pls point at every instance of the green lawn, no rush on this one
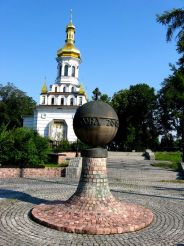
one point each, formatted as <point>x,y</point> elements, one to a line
<point>168,156</point>
<point>173,159</point>
<point>64,164</point>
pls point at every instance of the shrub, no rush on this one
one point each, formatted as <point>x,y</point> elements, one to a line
<point>65,145</point>
<point>42,146</point>
<point>26,148</point>
<point>6,145</point>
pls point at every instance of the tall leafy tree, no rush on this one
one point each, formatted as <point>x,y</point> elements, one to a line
<point>171,104</point>
<point>14,104</point>
<point>136,108</point>
<point>171,95</point>
<point>120,103</point>
<point>105,98</point>
<point>174,21</point>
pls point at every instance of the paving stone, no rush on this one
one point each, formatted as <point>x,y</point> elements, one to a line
<point>132,181</point>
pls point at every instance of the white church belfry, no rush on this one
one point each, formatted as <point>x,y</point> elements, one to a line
<point>53,117</point>
<point>66,89</point>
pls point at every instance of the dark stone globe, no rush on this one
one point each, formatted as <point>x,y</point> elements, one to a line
<point>95,123</point>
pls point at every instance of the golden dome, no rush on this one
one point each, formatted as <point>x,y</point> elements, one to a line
<point>81,90</point>
<point>69,48</point>
<point>44,88</point>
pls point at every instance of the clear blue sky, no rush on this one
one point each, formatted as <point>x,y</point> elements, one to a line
<point>120,42</point>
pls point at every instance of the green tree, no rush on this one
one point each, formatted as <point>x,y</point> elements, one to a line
<point>120,103</point>
<point>105,98</point>
<point>171,96</point>
<point>174,20</point>
<point>171,104</point>
<point>167,142</point>
<point>14,104</point>
<point>136,111</point>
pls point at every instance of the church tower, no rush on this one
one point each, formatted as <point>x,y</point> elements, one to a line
<point>53,117</point>
<point>66,90</point>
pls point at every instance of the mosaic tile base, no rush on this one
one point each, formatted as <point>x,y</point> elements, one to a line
<point>110,220</point>
<point>93,209</point>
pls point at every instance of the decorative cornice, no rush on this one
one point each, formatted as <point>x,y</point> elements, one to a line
<point>62,93</point>
<point>57,106</point>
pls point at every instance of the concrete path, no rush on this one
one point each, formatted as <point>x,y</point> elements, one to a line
<point>133,181</point>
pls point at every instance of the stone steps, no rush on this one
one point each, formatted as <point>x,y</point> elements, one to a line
<point>146,155</point>
<point>126,155</point>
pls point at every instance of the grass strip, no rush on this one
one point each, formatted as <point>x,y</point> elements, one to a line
<point>172,160</point>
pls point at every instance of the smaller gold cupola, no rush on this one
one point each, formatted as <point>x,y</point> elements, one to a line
<point>70,32</point>
<point>69,48</point>
<point>44,88</point>
<point>81,90</point>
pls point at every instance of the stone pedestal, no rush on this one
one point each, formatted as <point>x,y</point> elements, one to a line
<point>73,171</point>
<point>92,209</point>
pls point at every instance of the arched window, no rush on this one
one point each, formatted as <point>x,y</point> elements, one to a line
<point>52,101</point>
<point>43,100</point>
<point>62,101</point>
<point>64,89</point>
<point>55,89</point>
<point>73,71</point>
<point>71,101</point>
<point>60,71</point>
<point>80,101</point>
<point>72,90</point>
<point>66,70</point>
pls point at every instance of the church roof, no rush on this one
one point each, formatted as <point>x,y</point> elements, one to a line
<point>69,49</point>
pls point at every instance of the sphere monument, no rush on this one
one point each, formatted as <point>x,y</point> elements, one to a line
<point>92,209</point>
